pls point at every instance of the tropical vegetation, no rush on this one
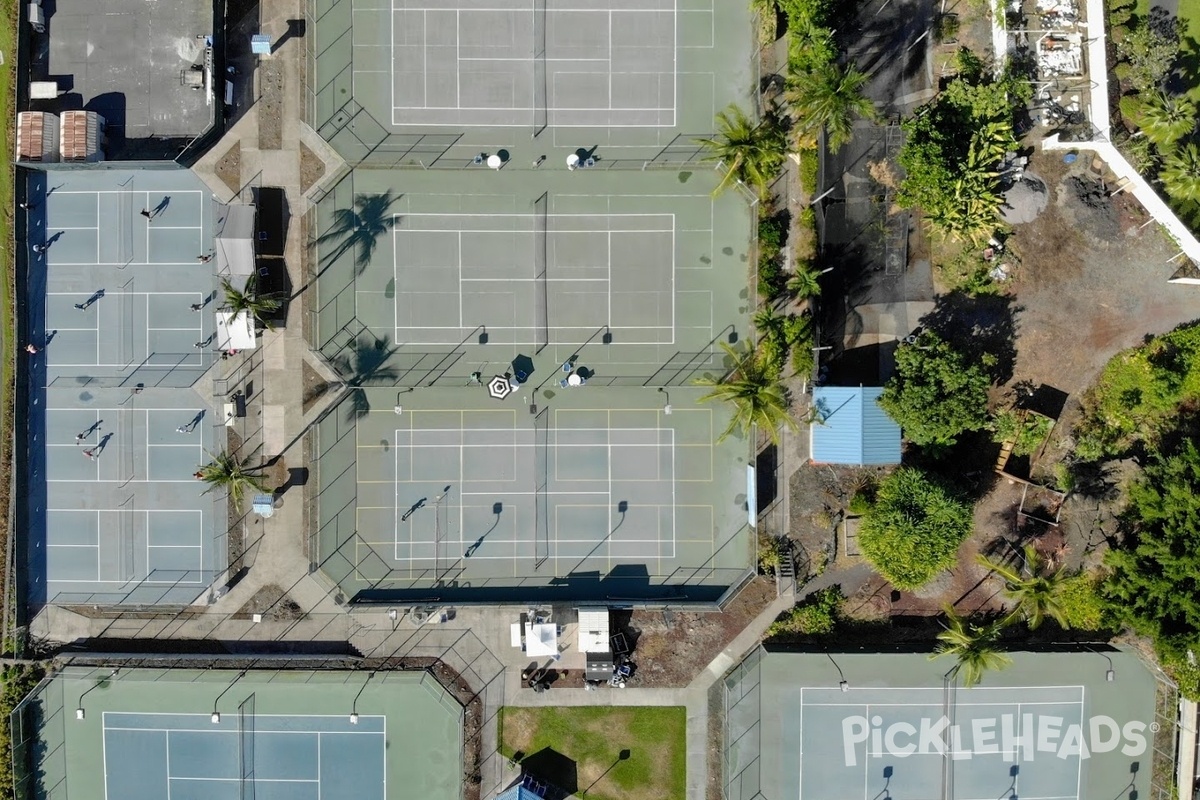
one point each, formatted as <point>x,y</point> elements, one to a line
<point>830,98</point>
<point>914,528</point>
<point>1035,588</point>
<point>260,305</point>
<point>952,149</point>
<point>1140,395</point>
<point>227,472</point>
<point>757,397</point>
<point>1154,581</point>
<point>937,392</point>
<point>973,646</point>
<point>750,152</point>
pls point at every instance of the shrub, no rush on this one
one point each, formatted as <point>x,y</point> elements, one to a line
<point>1131,109</point>
<point>772,234</point>
<point>1082,605</point>
<point>1027,431</point>
<point>914,529</point>
<point>860,503</point>
<point>810,163</point>
<point>1139,394</point>
<point>817,615</point>
<point>18,681</point>
<point>770,552</point>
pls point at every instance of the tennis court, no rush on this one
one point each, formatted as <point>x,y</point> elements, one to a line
<point>503,62</point>
<point>186,756</point>
<point>419,82</point>
<point>526,414</point>
<point>827,775</point>
<point>116,428</point>
<point>536,278</point>
<point>195,734</point>
<point>1052,726</point>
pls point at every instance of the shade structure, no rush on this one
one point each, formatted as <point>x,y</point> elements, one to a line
<point>499,387</point>
<point>593,630</point>
<point>234,244</point>
<point>235,331</point>
<point>541,640</point>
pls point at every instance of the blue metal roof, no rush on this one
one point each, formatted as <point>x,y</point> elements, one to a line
<point>518,792</point>
<point>851,428</point>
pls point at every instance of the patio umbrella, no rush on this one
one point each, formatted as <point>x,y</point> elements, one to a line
<point>499,388</point>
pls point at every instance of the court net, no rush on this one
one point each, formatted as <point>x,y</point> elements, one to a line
<point>541,477</point>
<point>246,747</point>
<point>541,216</point>
<point>540,101</point>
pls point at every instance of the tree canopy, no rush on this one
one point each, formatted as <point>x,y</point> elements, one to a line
<point>914,528</point>
<point>1139,394</point>
<point>1155,580</point>
<point>936,393</point>
<point>952,147</point>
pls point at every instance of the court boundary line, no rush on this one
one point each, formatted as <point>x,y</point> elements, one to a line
<point>673,10</point>
<point>949,753</point>
<point>530,330</point>
<point>148,571</point>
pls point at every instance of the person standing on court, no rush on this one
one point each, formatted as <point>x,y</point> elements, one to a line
<point>145,212</point>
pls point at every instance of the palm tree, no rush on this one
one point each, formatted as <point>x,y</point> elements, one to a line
<point>360,228</point>
<point>1167,119</point>
<point>758,399</point>
<point>1037,596</point>
<point>227,472</point>
<point>259,305</point>
<point>830,99</point>
<point>973,646</point>
<point>365,365</point>
<point>750,152</point>
<point>805,283</point>
<point>1181,173</point>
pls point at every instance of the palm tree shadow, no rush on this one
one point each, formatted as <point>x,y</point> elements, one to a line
<point>365,365</point>
<point>360,228</point>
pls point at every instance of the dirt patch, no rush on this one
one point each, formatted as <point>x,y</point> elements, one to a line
<point>314,387</point>
<point>273,603</point>
<point>818,497</point>
<point>311,168</point>
<point>229,168</point>
<point>671,648</point>
<point>270,105</point>
<point>1084,292</point>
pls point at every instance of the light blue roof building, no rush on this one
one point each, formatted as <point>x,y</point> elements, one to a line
<point>851,428</point>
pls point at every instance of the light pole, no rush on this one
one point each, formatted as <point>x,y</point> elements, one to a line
<point>216,715</point>
<point>843,684</point>
<point>79,712</point>
<point>354,704</point>
<point>1110,674</point>
<point>667,408</point>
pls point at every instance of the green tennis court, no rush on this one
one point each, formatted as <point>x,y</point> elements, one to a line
<point>195,734</point>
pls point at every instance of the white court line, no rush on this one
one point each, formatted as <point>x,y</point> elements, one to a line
<point>167,757</point>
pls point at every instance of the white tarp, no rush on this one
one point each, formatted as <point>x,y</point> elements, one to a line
<point>593,630</point>
<point>235,244</point>
<point>541,640</point>
<point>235,331</point>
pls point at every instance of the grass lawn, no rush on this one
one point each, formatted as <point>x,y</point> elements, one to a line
<point>604,753</point>
<point>8,45</point>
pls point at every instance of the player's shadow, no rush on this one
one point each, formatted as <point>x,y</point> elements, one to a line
<point>497,509</point>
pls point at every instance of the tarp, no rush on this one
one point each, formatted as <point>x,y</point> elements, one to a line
<point>235,331</point>
<point>593,630</point>
<point>235,244</point>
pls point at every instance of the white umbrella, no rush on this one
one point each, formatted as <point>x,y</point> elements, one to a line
<point>499,387</point>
